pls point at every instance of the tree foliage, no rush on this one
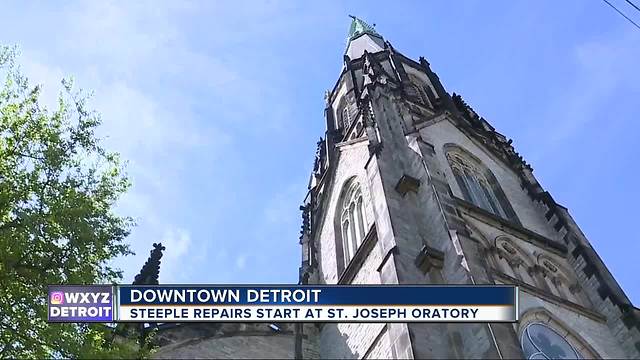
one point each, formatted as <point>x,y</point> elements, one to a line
<point>58,187</point>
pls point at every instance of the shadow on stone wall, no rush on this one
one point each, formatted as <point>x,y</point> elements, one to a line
<point>335,345</point>
<point>224,341</point>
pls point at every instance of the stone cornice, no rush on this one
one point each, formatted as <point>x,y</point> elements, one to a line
<point>549,297</point>
<point>519,231</point>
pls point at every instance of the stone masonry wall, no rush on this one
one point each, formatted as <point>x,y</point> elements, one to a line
<point>536,216</point>
<point>225,341</point>
<point>351,163</point>
<point>529,213</point>
<point>353,340</point>
<point>591,332</point>
<point>416,219</point>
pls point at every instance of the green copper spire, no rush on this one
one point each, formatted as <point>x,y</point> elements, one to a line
<point>359,27</point>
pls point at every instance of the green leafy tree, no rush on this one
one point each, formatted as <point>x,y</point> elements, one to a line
<point>58,187</point>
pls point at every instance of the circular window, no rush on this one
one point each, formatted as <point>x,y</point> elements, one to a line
<point>541,342</point>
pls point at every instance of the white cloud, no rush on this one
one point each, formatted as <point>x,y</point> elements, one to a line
<point>154,82</point>
<point>122,52</point>
<point>602,71</point>
<point>49,77</point>
<point>178,240</point>
<point>283,208</point>
<point>174,266</point>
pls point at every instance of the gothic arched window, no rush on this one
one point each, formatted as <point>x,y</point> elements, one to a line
<point>539,341</point>
<point>352,220</point>
<point>418,89</point>
<point>478,184</point>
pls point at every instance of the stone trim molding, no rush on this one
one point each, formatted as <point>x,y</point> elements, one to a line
<point>359,257</point>
<point>382,332</point>
<point>526,234</point>
<point>549,297</point>
<point>387,256</point>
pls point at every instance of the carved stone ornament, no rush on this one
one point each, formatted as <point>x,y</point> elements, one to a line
<point>509,248</point>
<point>327,96</point>
<point>537,269</point>
<point>550,266</point>
<point>516,262</point>
<point>429,258</point>
<point>575,288</point>
<point>407,183</point>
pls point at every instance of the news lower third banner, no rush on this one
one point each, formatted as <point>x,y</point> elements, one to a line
<point>285,303</point>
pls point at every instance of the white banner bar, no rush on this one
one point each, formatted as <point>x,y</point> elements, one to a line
<point>316,313</point>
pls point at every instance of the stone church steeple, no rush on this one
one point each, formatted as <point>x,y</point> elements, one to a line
<point>361,37</point>
<point>411,186</point>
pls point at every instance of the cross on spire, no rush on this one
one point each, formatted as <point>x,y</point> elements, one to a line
<point>359,27</point>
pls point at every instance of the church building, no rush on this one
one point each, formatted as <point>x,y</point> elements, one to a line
<point>411,186</point>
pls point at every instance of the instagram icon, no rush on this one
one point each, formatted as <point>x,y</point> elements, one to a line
<point>57,297</point>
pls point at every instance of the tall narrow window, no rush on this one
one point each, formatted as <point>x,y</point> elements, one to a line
<point>346,236</point>
<point>346,117</point>
<point>353,221</point>
<point>418,89</point>
<point>360,219</point>
<point>478,185</point>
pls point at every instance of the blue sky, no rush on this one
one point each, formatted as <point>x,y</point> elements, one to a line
<point>218,107</point>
